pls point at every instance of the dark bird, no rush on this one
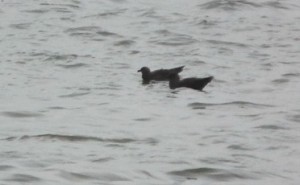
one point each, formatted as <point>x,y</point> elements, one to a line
<point>160,74</point>
<point>194,83</point>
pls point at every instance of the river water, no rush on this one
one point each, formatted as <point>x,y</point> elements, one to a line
<point>74,110</point>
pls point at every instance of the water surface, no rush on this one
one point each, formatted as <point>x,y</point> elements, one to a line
<point>74,110</point>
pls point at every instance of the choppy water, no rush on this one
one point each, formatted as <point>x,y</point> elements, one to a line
<point>74,111</point>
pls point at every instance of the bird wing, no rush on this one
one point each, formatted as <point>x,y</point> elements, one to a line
<point>176,69</point>
<point>160,74</point>
<point>195,83</point>
<point>163,74</point>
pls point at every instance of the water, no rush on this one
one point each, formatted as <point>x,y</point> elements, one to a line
<point>74,110</point>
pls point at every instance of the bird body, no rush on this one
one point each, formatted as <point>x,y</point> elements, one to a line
<point>193,83</point>
<point>160,74</point>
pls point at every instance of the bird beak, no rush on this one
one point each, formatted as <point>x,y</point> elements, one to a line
<point>139,71</point>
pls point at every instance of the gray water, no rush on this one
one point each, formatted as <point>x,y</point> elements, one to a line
<point>73,109</point>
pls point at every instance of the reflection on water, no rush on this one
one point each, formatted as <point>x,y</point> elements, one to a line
<point>74,109</point>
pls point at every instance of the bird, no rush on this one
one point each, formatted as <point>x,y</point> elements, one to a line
<point>160,74</point>
<point>193,83</point>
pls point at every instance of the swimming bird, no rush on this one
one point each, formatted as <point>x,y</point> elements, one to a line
<point>160,74</point>
<point>194,83</point>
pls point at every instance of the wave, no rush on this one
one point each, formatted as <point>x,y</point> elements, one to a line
<point>37,11</point>
<point>294,118</point>
<point>78,138</point>
<point>242,104</point>
<point>74,176</point>
<point>101,160</point>
<point>23,178</point>
<point>22,114</point>
<point>168,38</point>
<point>55,57</point>
<point>240,147</point>
<point>73,95</point>
<point>52,7</point>
<point>74,6</point>
<point>229,5</point>
<point>5,167</point>
<point>271,127</point>
<point>291,75</point>
<point>218,42</point>
<point>71,66</point>
<point>21,26</point>
<point>124,43</point>
<point>92,32</point>
<point>107,14</point>
<point>72,138</point>
<point>275,4</point>
<point>212,173</point>
<point>280,81</point>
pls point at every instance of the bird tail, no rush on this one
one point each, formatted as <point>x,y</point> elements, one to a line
<point>177,69</point>
<point>210,78</point>
<point>205,81</point>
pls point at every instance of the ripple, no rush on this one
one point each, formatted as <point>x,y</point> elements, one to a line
<point>73,95</point>
<point>90,32</point>
<point>21,26</point>
<point>242,104</point>
<point>150,141</point>
<point>227,43</point>
<point>72,66</point>
<point>271,127</point>
<point>119,65</point>
<point>196,62</point>
<point>212,173</point>
<point>280,81</point>
<point>71,138</point>
<point>5,167</point>
<point>254,116</point>
<point>143,119</point>
<point>74,6</point>
<point>291,75</point>
<point>134,52</point>
<point>295,118</point>
<point>110,177</point>
<point>78,138</point>
<point>177,41</point>
<point>56,7</point>
<point>55,57</point>
<point>168,38</point>
<point>23,178</point>
<point>148,174</point>
<point>277,148</point>
<point>218,161</point>
<point>244,156</point>
<point>10,154</point>
<point>124,43</point>
<point>37,11</point>
<point>57,108</point>
<point>76,176</point>
<point>107,33</point>
<point>228,4</point>
<point>23,114</point>
<point>34,164</point>
<point>107,14</point>
<point>275,4</point>
<point>240,147</point>
<point>102,160</point>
